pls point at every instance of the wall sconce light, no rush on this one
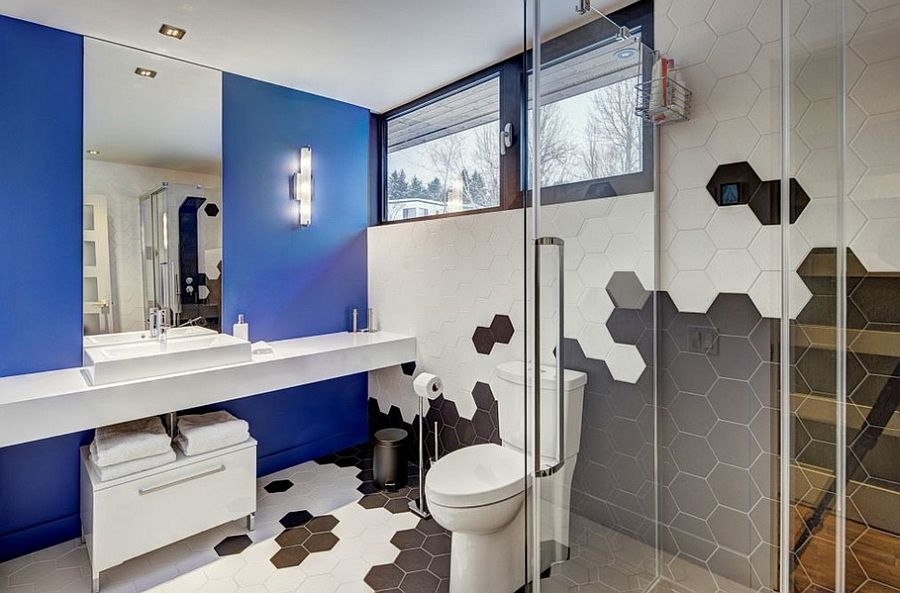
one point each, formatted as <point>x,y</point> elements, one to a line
<point>302,186</point>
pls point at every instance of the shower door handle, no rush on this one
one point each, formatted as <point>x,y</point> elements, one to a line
<point>539,471</point>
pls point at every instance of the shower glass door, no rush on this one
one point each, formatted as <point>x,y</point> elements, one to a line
<point>591,280</point>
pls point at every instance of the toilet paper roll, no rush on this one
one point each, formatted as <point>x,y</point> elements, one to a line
<point>428,385</point>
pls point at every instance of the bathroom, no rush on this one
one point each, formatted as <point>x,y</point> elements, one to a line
<point>317,245</point>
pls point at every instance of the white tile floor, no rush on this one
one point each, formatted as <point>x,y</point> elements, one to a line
<point>602,560</point>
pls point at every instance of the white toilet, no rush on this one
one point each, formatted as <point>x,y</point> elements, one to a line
<point>478,492</point>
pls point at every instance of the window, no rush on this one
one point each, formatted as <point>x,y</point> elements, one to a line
<point>443,156</point>
<point>589,129</point>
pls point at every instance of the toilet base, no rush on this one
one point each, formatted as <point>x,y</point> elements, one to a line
<point>490,562</point>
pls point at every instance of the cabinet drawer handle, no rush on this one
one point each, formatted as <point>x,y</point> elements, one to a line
<point>159,487</point>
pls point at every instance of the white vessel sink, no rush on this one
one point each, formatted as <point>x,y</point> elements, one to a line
<point>144,335</point>
<point>139,360</point>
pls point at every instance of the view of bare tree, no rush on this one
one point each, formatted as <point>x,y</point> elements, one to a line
<point>612,133</point>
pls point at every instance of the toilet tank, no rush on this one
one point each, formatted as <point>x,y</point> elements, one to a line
<point>512,396</point>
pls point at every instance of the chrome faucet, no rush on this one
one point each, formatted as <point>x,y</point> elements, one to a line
<point>159,325</point>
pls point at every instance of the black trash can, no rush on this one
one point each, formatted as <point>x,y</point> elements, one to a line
<point>390,459</point>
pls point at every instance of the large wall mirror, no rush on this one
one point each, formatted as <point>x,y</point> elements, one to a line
<point>152,194</point>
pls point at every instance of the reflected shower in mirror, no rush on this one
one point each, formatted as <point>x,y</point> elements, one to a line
<point>152,195</point>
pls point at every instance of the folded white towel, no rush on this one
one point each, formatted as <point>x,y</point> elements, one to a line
<point>129,441</point>
<point>200,433</point>
<point>119,470</point>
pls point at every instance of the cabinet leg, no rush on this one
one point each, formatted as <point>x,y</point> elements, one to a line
<point>95,582</point>
<point>251,521</point>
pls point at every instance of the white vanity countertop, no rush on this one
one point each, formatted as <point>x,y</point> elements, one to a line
<point>42,405</point>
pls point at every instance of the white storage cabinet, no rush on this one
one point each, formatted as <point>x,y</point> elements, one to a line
<point>124,518</point>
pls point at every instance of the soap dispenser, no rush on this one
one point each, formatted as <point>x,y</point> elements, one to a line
<point>241,329</point>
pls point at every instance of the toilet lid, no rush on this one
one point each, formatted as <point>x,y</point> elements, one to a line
<point>476,476</point>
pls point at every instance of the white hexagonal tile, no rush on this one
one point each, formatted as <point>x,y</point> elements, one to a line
<point>733,53</point>
<point>819,77</point>
<point>686,12</point>
<point>766,294</point>
<point>595,236</point>
<point>692,209</point>
<point>733,96</point>
<point>876,90</point>
<point>691,250</point>
<point>733,227</point>
<point>766,22</point>
<point>733,140</point>
<point>569,220</point>
<point>624,252</point>
<point>766,112</point>
<point>818,222</point>
<point>819,124</point>
<point>732,270</point>
<point>595,270</point>
<point>727,16</point>
<point>876,38</point>
<point>692,291</point>
<point>692,168</point>
<point>692,44</point>
<point>878,141</point>
<point>766,67</point>
<point>625,363</point>
<point>595,341</point>
<point>694,132</point>
<point>799,295</point>
<point>595,305</point>
<point>701,80</point>
<point>878,245</point>
<point>766,248</point>
<point>766,157</point>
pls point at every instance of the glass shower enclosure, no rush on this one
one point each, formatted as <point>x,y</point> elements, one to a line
<point>591,261</point>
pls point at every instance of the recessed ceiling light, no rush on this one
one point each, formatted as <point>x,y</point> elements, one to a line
<point>170,31</point>
<point>93,152</point>
<point>145,72</point>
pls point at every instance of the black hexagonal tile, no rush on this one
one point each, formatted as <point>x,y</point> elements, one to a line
<point>232,545</point>
<point>626,291</point>
<point>483,340</point>
<point>288,557</point>
<point>320,542</point>
<point>278,486</point>
<point>625,326</point>
<point>384,576</point>
<point>408,368</point>
<point>295,519</point>
<point>483,395</point>
<point>502,329</point>
<point>692,372</point>
<point>415,559</point>
<point>766,202</point>
<point>736,358</point>
<point>733,184</point>
<point>734,314</point>
<point>322,524</point>
<point>211,209</point>
<point>408,539</point>
<point>420,581</point>
<point>293,537</point>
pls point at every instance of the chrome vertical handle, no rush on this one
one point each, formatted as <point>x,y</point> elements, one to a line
<point>540,471</point>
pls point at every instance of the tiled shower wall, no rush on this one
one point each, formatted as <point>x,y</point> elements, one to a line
<point>719,267</point>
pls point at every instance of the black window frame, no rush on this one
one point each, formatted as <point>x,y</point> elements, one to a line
<point>513,76</point>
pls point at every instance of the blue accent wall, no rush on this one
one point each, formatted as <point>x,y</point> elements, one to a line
<point>290,281</point>
<point>40,169</point>
<point>40,266</point>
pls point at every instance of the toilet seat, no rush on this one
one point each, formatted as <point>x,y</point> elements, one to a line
<point>476,476</point>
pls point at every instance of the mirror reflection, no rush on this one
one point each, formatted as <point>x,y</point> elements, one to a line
<point>152,196</point>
